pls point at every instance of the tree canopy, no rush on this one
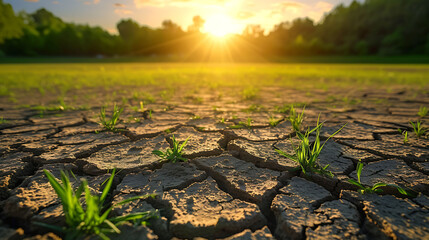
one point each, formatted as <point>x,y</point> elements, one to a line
<point>374,27</point>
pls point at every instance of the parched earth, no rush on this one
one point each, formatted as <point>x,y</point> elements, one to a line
<point>235,185</point>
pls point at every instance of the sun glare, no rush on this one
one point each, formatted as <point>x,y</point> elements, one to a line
<point>220,25</point>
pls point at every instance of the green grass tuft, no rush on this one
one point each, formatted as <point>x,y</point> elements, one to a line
<point>253,108</point>
<point>418,129</point>
<point>405,133</point>
<point>376,188</point>
<point>296,119</point>
<point>273,121</point>
<point>307,154</point>
<point>249,93</point>
<point>173,154</point>
<point>110,124</point>
<point>423,112</point>
<point>89,215</point>
<point>2,120</point>
<point>241,124</point>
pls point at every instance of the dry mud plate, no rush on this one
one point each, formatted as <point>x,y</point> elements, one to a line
<point>235,185</point>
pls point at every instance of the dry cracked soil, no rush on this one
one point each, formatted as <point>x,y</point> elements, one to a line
<point>235,185</point>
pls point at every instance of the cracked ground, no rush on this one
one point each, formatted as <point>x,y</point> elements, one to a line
<point>235,185</point>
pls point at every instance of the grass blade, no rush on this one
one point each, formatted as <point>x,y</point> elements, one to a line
<point>359,169</point>
<point>107,187</point>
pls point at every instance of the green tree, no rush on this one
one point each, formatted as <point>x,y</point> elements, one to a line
<point>10,25</point>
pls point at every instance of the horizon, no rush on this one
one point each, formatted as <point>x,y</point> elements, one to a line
<point>236,14</point>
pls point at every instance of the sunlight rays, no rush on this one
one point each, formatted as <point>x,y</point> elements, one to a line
<point>221,25</point>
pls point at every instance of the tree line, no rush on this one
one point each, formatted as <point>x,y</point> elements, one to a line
<point>374,27</point>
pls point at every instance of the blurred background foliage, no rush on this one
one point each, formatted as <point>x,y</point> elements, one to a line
<point>374,27</point>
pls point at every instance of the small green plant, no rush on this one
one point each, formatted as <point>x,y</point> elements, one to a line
<point>253,108</point>
<point>307,154</point>
<point>41,114</point>
<point>273,121</point>
<point>124,101</point>
<point>195,117</point>
<point>89,215</point>
<point>173,154</point>
<point>2,120</point>
<point>418,129</point>
<point>133,119</point>
<point>193,99</point>
<point>135,95</point>
<point>296,119</point>
<point>285,108</point>
<point>222,120</point>
<point>351,101</point>
<point>166,95</point>
<point>147,97</point>
<point>62,106</point>
<point>423,111</point>
<point>110,124</point>
<point>141,106</point>
<point>247,124</point>
<point>376,188</point>
<point>241,124</point>
<point>405,133</point>
<point>249,93</point>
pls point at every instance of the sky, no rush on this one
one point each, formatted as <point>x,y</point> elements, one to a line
<point>235,14</point>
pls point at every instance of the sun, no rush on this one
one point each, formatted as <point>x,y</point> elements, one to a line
<point>220,25</point>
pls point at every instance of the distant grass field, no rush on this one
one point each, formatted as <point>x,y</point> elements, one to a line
<point>53,86</point>
<point>56,80</point>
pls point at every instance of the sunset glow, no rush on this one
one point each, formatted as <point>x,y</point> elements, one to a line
<point>220,25</point>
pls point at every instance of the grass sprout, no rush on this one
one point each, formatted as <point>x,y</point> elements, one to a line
<point>376,188</point>
<point>195,117</point>
<point>405,133</point>
<point>418,129</point>
<point>307,154</point>
<point>222,120</point>
<point>285,108</point>
<point>110,124</point>
<point>273,121</point>
<point>249,93</point>
<point>253,108</point>
<point>173,154</point>
<point>423,112</point>
<point>141,106</point>
<point>296,119</point>
<point>241,124</point>
<point>89,215</point>
<point>2,120</point>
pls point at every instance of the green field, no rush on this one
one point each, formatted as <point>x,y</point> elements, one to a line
<point>53,81</point>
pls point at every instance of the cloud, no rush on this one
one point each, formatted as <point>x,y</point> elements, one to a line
<point>244,15</point>
<point>32,0</point>
<point>122,12</point>
<point>119,5</point>
<point>55,2</point>
<point>96,1</point>
<point>163,3</point>
<point>290,4</point>
<point>324,6</point>
<point>290,10</point>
